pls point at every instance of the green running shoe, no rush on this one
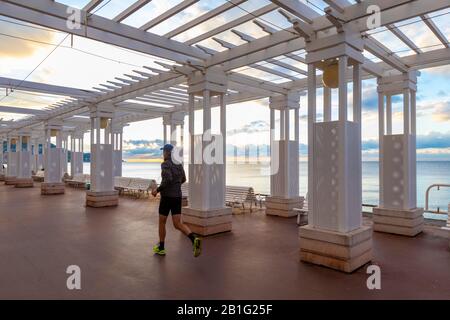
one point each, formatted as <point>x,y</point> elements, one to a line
<point>158,251</point>
<point>197,246</point>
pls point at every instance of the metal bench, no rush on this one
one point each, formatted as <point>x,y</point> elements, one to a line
<point>121,183</point>
<point>138,187</point>
<point>79,180</point>
<point>237,197</point>
<point>39,176</point>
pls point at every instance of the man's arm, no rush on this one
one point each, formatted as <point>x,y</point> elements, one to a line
<point>166,174</point>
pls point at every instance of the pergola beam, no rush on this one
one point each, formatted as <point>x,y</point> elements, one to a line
<point>44,88</point>
<point>298,9</point>
<point>205,17</point>
<point>18,110</point>
<point>55,15</point>
<point>130,10</point>
<point>434,28</point>
<point>168,14</point>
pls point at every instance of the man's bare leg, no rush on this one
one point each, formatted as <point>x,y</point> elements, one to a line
<point>196,241</point>
<point>176,219</point>
<point>162,228</point>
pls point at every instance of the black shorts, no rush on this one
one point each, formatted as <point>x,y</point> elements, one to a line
<point>170,205</point>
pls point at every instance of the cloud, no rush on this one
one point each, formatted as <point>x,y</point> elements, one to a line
<point>442,93</point>
<point>441,111</point>
<point>252,127</point>
<point>15,47</point>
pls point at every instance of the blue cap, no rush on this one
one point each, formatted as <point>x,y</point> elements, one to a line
<point>168,147</point>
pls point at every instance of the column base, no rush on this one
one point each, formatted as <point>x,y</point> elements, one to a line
<point>340,251</point>
<point>402,222</point>
<point>50,188</point>
<point>2,177</point>
<point>10,180</point>
<point>206,223</point>
<point>24,183</point>
<point>283,207</point>
<point>102,199</point>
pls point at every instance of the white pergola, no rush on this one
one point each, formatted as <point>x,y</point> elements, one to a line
<point>210,70</point>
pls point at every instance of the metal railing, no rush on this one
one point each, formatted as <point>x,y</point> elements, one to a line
<point>427,195</point>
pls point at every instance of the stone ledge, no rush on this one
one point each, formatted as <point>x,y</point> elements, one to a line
<point>49,188</point>
<point>351,238</point>
<point>402,222</point>
<point>206,213</point>
<point>208,222</point>
<point>102,199</point>
<point>24,183</point>
<point>210,230</point>
<point>283,207</point>
<point>399,230</point>
<point>347,266</point>
<point>2,177</point>
<point>10,180</point>
<point>281,213</point>
<point>340,251</point>
<point>275,199</point>
<point>397,213</point>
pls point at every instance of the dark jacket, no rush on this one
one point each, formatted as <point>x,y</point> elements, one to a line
<point>173,176</point>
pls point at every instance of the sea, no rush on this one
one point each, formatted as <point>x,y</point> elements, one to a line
<point>257,175</point>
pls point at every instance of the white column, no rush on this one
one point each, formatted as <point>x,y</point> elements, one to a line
<point>24,160</point>
<point>388,114</point>
<point>334,161</point>
<point>312,117</point>
<point>12,169</point>
<point>327,104</point>
<point>53,159</point>
<point>397,212</point>
<point>117,150</point>
<point>164,134</point>
<point>102,193</point>
<point>206,213</point>
<point>284,181</point>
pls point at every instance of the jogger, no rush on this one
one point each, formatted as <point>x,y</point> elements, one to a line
<point>173,176</point>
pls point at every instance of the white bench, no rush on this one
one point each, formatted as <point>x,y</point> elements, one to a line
<point>121,183</point>
<point>237,197</point>
<point>139,186</point>
<point>302,216</point>
<point>39,176</point>
<point>79,180</point>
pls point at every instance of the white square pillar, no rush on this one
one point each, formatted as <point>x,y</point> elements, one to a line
<point>12,160</point>
<point>24,179</point>
<point>397,211</point>
<point>53,171</point>
<point>76,160</point>
<point>335,236</point>
<point>284,182</point>
<point>207,213</point>
<point>102,193</point>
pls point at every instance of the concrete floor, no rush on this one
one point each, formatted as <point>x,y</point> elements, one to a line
<point>40,236</point>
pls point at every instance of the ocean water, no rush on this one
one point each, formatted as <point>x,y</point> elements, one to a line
<point>258,176</point>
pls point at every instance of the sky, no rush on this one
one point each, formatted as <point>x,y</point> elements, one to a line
<point>83,63</point>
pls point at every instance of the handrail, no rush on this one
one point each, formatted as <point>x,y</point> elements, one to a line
<point>427,194</point>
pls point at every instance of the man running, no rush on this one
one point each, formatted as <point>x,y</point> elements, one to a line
<point>173,176</point>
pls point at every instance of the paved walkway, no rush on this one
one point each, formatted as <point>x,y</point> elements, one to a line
<point>40,236</point>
